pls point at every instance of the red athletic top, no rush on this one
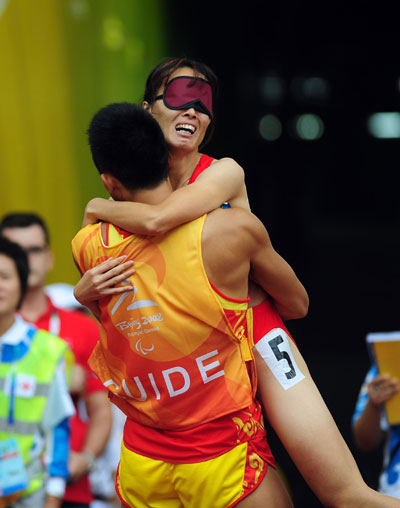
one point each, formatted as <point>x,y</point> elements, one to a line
<point>80,331</point>
<point>203,164</point>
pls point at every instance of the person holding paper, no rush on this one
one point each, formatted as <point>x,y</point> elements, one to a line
<point>370,427</point>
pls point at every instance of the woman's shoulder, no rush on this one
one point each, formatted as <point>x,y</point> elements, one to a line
<point>226,163</point>
<point>228,175</point>
<point>225,160</point>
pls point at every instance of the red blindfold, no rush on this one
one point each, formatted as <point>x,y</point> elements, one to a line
<point>184,92</point>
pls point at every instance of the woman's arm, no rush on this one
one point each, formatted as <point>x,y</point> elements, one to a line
<point>276,276</point>
<point>222,181</point>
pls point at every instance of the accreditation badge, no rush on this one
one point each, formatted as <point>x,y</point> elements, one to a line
<point>13,477</point>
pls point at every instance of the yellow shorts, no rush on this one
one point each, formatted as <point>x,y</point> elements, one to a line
<point>216,483</point>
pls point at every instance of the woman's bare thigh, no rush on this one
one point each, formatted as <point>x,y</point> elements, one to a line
<point>271,493</point>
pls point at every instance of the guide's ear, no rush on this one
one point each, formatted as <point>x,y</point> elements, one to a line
<point>110,183</point>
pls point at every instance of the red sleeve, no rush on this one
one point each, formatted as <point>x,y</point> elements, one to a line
<point>92,335</point>
<point>93,384</point>
<point>82,333</point>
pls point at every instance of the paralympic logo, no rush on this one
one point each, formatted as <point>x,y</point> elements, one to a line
<point>138,304</point>
<point>142,349</point>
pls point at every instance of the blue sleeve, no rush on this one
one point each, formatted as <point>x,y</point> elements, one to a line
<point>363,396</point>
<point>58,463</point>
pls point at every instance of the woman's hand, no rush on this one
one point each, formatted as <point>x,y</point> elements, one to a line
<point>101,280</point>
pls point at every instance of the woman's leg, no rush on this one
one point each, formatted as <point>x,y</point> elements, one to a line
<point>271,493</point>
<point>295,409</point>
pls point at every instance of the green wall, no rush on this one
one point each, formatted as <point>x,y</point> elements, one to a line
<point>61,61</point>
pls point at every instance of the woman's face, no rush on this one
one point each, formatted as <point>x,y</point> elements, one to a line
<point>10,288</point>
<point>184,129</point>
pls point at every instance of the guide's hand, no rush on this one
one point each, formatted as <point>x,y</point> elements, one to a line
<point>381,389</point>
<point>101,280</point>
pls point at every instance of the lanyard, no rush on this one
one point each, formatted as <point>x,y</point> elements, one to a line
<point>11,407</point>
<point>13,376</point>
<point>54,323</point>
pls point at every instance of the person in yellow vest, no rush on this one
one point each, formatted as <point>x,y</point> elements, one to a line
<point>35,405</point>
<point>174,349</point>
<point>91,423</point>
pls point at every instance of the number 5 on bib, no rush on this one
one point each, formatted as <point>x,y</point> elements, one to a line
<point>274,347</point>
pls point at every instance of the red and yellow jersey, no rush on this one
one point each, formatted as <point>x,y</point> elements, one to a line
<point>211,439</point>
<point>167,353</point>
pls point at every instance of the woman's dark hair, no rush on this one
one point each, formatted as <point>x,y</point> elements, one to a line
<point>17,254</point>
<point>162,72</point>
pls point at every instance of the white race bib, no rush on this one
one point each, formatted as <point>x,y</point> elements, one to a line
<point>274,347</point>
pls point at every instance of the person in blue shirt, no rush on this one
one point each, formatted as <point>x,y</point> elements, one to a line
<point>371,428</point>
<point>35,405</point>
